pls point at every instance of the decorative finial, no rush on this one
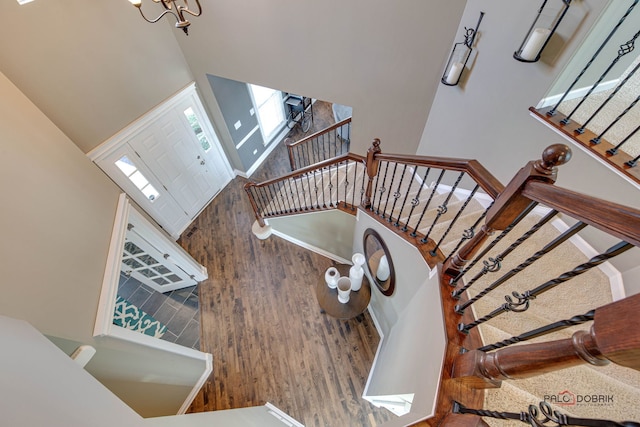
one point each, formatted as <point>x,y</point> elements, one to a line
<point>553,156</point>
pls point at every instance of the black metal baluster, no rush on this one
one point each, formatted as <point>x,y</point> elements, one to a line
<point>397,195</point>
<point>315,188</point>
<point>276,200</point>
<point>442,209</point>
<point>406,196</point>
<point>633,163</point>
<point>382,188</point>
<point>393,178</point>
<point>543,330</point>
<point>458,408</point>
<point>597,139</point>
<point>291,193</point>
<point>624,49</point>
<point>346,183</point>
<point>310,204</point>
<point>469,232</point>
<point>523,300</point>
<point>258,197</point>
<point>526,263</point>
<point>355,181</point>
<point>416,200</point>
<point>364,181</point>
<point>491,265</point>
<point>283,197</point>
<point>493,243</point>
<point>426,206</point>
<point>454,220</point>
<point>593,58</point>
<point>613,151</point>
<point>612,94</point>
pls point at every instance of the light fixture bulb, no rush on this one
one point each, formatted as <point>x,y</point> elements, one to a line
<point>136,3</point>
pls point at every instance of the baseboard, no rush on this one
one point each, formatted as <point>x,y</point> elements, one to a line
<point>376,323</point>
<point>285,418</point>
<point>577,93</point>
<point>311,248</point>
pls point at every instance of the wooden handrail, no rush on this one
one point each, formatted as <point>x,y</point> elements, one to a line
<point>290,143</point>
<point>615,219</point>
<point>298,173</point>
<point>485,179</point>
<point>610,339</point>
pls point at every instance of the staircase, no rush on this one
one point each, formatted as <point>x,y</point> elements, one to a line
<point>449,209</point>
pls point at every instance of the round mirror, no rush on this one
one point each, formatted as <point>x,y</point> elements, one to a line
<point>379,262</point>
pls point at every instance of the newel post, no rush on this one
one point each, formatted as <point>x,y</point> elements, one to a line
<point>289,143</point>
<point>372,170</point>
<point>511,203</point>
<point>247,187</point>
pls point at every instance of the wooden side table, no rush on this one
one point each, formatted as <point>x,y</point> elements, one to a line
<point>328,298</point>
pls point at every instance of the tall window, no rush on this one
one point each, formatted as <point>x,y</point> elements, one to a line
<point>270,110</point>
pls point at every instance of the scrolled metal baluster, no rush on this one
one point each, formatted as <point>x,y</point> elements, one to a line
<point>397,195</point>
<point>597,139</point>
<point>442,209</point>
<point>426,206</point>
<point>382,189</point>
<point>468,233</point>
<point>526,263</point>
<point>393,178</point>
<point>543,330</point>
<point>613,151</point>
<point>416,200</point>
<point>622,51</point>
<point>454,220</point>
<point>593,58</point>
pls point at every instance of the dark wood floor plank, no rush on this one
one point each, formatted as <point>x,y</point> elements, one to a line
<point>261,322</point>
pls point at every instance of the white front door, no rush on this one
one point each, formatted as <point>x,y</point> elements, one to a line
<point>173,163</point>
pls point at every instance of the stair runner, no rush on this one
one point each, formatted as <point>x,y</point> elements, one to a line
<point>606,392</point>
<point>133,318</point>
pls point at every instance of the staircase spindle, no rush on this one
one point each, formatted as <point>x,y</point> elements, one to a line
<point>523,300</point>
<point>492,265</point>
<point>633,163</point>
<point>613,151</point>
<point>622,51</point>
<point>397,194</point>
<point>393,177</point>
<point>593,58</point>
<point>469,232</point>
<point>382,189</point>
<point>406,195</point>
<point>535,257</point>
<point>454,220</point>
<point>543,330</point>
<point>443,208</point>
<point>416,200</point>
<point>490,246</point>
<point>597,139</point>
<point>426,206</point>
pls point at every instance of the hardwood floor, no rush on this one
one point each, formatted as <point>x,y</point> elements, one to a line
<point>262,323</point>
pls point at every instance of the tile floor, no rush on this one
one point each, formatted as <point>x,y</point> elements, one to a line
<point>178,309</point>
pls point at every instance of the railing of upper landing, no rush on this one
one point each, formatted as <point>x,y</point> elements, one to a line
<point>328,143</point>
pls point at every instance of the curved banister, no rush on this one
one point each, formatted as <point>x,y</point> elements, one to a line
<point>489,183</point>
<point>612,218</point>
<point>291,143</point>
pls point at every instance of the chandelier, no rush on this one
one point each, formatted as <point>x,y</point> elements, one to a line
<point>177,10</point>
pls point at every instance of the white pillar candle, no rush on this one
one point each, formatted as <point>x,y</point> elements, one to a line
<point>454,72</point>
<point>533,46</point>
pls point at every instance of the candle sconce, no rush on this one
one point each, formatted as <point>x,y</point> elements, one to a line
<point>460,55</point>
<point>540,32</point>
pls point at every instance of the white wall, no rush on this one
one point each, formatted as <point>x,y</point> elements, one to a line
<point>487,117</point>
<point>58,213</point>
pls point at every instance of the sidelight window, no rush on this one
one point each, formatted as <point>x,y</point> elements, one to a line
<point>137,178</point>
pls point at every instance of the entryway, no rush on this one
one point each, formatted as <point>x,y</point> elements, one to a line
<point>170,161</point>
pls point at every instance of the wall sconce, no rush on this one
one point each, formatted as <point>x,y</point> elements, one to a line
<point>459,56</point>
<point>174,9</point>
<point>540,32</point>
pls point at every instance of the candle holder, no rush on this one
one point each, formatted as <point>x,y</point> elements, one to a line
<point>544,25</point>
<point>459,56</point>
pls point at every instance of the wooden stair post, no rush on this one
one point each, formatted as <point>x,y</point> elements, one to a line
<point>511,203</point>
<point>612,337</point>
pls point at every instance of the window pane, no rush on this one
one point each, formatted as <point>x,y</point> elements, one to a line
<point>126,166</point>
<point>150,192</point>
<point>139,180</point>
<point>261,94</point>
<point>271,116</point>
<point>197,129</point>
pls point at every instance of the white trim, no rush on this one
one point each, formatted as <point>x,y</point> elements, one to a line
<point>116,140</point>
<point>312,248</point>
<point>376,323</point>
<point>285,418</point>
<point>577,93</point>
<point>107,301</point>
<point>586,150</point>
<point>199,384</point>
<point>246,138</point>
<point>257,163</point>
<point>613,275</point>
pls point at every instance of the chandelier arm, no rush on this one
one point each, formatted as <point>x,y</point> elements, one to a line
<point>186,10</point>
<point>153,21</point>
